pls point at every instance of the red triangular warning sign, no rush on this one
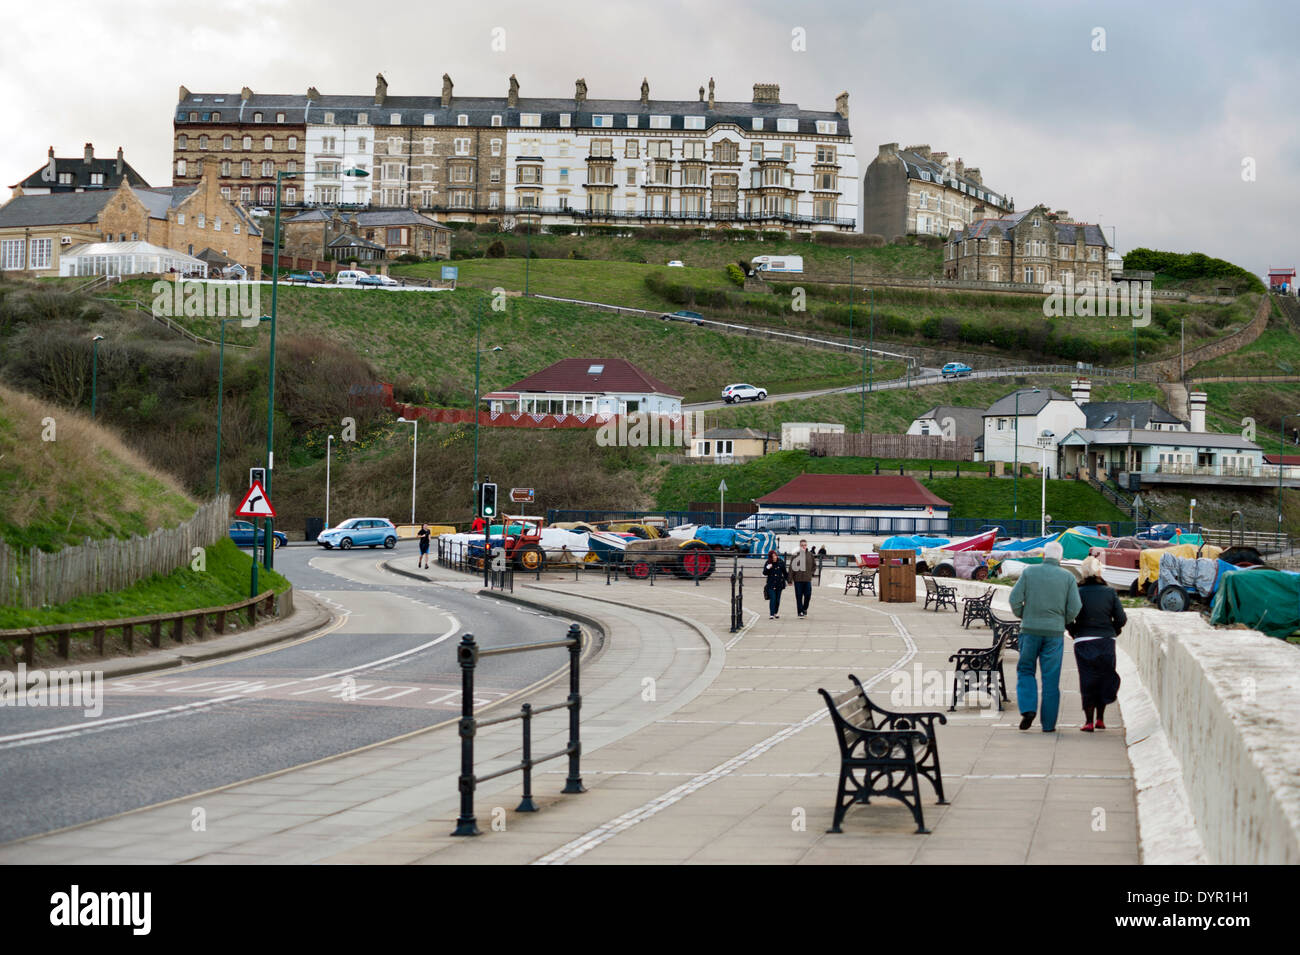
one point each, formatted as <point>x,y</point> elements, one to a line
<point>255,503</point>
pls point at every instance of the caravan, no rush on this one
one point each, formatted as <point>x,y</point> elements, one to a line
<point>777,263</point>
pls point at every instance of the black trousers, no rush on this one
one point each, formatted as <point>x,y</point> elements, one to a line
<point>1098,681</point>
<point>802,595</point>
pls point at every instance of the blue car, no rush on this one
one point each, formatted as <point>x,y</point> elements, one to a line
<point>358,532</point>
<point>956,369</point>
<point>241,532</point>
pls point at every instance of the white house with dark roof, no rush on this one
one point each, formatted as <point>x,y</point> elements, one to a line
<point>588,386</point>
<point>1014,423</point>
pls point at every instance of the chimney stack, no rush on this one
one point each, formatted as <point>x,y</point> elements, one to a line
<point>1196,402</point>
<point>645,92</point>
<point>961,168</point>
<point>447,87</point>
<point>312,93</point>
<point>90,154</point>
<point>1062,215</point>
<point>973,174</point>
<point>888,151</point>
<point>842,105</point>
<point>246,94</point>
<point>710,92</point>
<point>184,94</point>
<point>701,94</point>
<point>1081,390</point>
<point>512,98</point>
<point>579,91</point>
<point>119,160</point>
<point>767,93</point>
<point>923,150</point>
<point>381,89</point>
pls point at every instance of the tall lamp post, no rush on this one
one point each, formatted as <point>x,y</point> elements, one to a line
<point>1281,465</point>
<point>94,374</point>
<point>221,387</point>
<point>280,176</point>
<point>329,442</point>
<point>1015,453</point>
<point>871,343</point>
<point>414,453</point>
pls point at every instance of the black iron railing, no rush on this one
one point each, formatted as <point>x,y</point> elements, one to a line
<point>468,654</point>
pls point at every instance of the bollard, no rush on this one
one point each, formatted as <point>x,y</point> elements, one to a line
<point>467,657</point>
<point>527,804</point>
<point>573,784</point>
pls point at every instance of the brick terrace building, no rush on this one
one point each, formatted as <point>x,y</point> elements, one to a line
<point>914,191</point>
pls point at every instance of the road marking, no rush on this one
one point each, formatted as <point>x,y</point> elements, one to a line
<point>1034,776</point>
<point>601,834</point>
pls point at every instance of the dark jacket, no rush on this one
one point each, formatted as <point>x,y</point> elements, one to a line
<point>1101,614</point>
<point>776,574</point>
<point>806,575</point>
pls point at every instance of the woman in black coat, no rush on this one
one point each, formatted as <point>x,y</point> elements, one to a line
<point>774,570</point>
<point>1094,632</point>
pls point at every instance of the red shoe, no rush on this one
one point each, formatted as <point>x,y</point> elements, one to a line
<point>1086,727</point>
<point>1100,725</point>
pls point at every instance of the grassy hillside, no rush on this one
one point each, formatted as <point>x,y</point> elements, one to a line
<point>975,496</point>
<point>1275,352</point>
<point>81,482</point>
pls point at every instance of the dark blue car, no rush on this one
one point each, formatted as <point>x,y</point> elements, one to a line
<point>241,532</point>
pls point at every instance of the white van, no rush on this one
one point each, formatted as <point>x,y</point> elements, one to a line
<point>349,276</point>
<point>777,263</point>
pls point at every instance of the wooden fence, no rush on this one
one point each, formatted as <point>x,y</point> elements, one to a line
<point>38,579</point>
<point>895,446</point>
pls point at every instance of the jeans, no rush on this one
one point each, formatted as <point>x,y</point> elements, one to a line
<point>1046,651</point>
<point>802,595</point>
<point>774,601</point>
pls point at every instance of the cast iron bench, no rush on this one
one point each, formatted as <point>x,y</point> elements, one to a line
<point>882,757</point>
<point>864,579</point>
<point>1010,629</point>
<point>940,595</point>
<point>977,608</point>
<point>983,663</point>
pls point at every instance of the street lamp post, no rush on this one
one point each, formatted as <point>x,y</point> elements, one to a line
<point>414,453</point>
<point>1044,442</point>
<point>1281,465</point>
<point>871,344</point>
<point>1015,453</point>
<point>528,250</point>
<point>280,176</point>
<point>329,442</point>
<point>94,374</point>
<point>221,388</point>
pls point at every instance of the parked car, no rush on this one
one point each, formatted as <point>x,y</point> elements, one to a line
<point>349,276</point>
<point>683,316</point>
<point>378,281</point>
<point>742,393</point>
<point>242,533</point>
<point>677,264</point>
<point>956,369</point>
<point>258,211</point>
<point>1163,532</point>
<point>777,523</point>
<point>312,276</point>
<point>358,531</point>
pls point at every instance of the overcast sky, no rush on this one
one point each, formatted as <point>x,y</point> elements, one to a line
<point>1147,136</point>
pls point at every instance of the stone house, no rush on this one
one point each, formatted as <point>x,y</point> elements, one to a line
<point>1031,247</point>
<point>916,191</point>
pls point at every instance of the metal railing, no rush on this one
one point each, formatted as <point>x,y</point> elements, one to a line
<point>468,654</point>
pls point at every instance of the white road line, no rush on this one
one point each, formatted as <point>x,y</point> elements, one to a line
<point>590,840</point>
<point>1034,776</point>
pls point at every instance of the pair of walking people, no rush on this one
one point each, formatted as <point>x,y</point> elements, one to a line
<point>1049,602</point>
<point>799,571</point>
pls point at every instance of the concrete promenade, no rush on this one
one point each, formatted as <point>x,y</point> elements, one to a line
<point>700,746</point>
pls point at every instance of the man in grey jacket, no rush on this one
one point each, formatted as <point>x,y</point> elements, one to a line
<point>1045,598</point>
<point>802,565</point>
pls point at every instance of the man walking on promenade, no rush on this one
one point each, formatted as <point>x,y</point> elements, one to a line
<point>802,565</point>
<point>1045,598</point>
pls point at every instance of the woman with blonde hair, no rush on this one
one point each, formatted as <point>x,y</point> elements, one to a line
<point>1094,632</point>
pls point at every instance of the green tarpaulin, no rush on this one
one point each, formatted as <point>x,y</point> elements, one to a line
<point>1076,545</point>
<point>1264,600</point>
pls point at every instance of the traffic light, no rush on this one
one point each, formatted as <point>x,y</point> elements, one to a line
<point>487,500</point>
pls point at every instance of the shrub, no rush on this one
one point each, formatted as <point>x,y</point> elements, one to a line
<point>873,240</point>
<point>409,258</point>
<point>774,235</point>
<point>487,228</point>
<point>561,229</point>
<point>736,275</point>
<point>497,250</point>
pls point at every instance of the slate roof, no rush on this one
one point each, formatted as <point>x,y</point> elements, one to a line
<point>1067,233</point>
<point>59,208</point>
<point>735,434</point>
<point>969,422</point>
<point>398,217</point>
<point>929,170</point>
<point>355,241</point>
<point>1121,414</point>
<point>853,490</point>
<point>48,178</point>
<point>1030,403</point>
<point>570,376</point>
<point>411,111</point>
<point>1176,439</point>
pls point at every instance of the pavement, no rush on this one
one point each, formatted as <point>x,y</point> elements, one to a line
<point>699,746</point>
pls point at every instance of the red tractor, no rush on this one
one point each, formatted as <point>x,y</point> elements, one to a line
<point>522,542</point>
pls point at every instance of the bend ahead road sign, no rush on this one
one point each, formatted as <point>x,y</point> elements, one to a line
<point>255,503</point>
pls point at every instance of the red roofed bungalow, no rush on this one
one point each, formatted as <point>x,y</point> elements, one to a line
<point>588,386</point>
<point>1281,280</point>
<point>859,504</point>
